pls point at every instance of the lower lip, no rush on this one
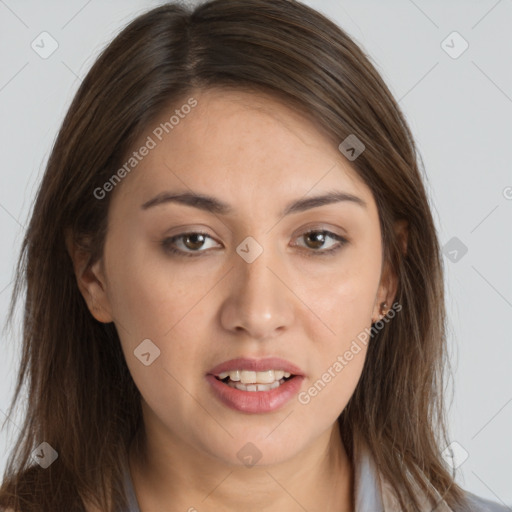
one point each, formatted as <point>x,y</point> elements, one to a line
<point>255,401</point>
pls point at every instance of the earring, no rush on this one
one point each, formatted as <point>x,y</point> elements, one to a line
<point>383,310</point>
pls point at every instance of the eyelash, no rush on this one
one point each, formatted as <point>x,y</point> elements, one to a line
<point>167,244</point>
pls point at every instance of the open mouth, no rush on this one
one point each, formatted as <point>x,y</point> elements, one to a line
<point>255,386</point>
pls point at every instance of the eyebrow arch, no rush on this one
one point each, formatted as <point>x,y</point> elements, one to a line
<point>213,205</point>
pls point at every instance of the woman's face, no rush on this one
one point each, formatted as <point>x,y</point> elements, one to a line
<point>252,285</point>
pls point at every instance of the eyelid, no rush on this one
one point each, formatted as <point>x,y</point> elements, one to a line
<point>321,227</point>
<point>342,240</point>
<point>171,239</point>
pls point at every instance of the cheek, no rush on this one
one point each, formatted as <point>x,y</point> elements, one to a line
<point>148,297</point>
<point>152,303</point>
<point>327,392</point>
<point>340,327</point>
<point>337,369</point>
<point>342,299</point>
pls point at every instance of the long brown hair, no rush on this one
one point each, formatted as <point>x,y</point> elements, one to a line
<point>81,398</point>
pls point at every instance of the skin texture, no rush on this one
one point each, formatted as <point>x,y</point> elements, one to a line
<point>256,154</point>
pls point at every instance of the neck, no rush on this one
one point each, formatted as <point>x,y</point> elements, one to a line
<point>186,478</point>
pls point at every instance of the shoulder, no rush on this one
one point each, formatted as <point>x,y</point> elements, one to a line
<point>482,505</point>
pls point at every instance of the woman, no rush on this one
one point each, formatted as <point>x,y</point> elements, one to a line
<point>234,285</point>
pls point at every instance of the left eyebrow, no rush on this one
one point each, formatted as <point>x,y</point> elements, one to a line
<point>213,205</point>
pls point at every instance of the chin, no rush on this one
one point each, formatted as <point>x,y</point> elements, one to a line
<point>258,450</point>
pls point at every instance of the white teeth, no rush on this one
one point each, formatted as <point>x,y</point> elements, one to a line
<point>250,377</point>
<point>254,387</point>
<point>234,375</point>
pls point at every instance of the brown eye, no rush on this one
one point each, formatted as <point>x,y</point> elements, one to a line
<point>191,244</point>
<point>187,244</point>
<point>316,240</point>
<point>193,241</point>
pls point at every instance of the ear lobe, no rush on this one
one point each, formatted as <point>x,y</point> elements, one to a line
<point>386,293</point>
<point>90,280</point>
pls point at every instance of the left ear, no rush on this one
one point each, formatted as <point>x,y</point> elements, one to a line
<point>91,280</point>
<point>389,280</point>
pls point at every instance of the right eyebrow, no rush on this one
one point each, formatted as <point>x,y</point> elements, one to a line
<point>214,205</point>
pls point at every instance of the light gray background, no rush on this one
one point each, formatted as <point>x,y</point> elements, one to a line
<point>460,112</point>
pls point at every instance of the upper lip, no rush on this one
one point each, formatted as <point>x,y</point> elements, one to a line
<point>256,365</point>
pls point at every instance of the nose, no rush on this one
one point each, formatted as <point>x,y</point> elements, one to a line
<point>260,303</point>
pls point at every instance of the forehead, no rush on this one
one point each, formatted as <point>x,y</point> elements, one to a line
<point>240,144</point>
